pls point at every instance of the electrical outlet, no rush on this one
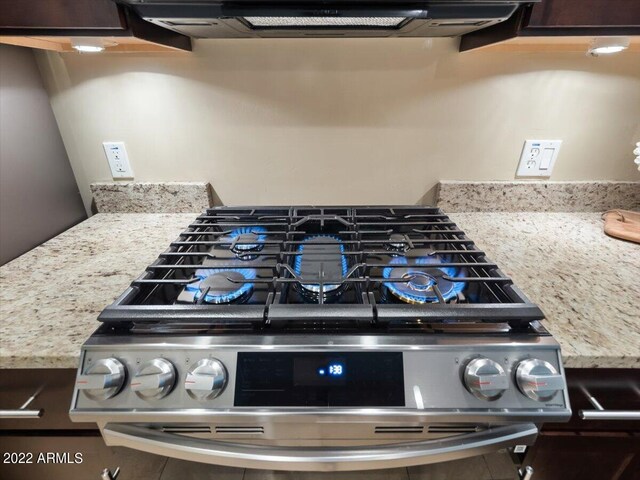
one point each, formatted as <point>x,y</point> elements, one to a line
<point>118,159</point>
<point>538,158</point>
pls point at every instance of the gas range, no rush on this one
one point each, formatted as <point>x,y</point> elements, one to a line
<point>321,338</point>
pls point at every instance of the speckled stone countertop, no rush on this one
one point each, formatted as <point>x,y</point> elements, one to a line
<point>50,297</point>
<point>585,282</point>
<point>537,196</point>
<point>148,197</point>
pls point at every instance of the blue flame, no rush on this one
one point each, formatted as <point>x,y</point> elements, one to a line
<point>427,296</point>
<point>259,232</point>
<point>298,262</point>
<point>204,273</point>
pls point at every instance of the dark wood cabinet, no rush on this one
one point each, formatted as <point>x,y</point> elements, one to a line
<point>596,15</point>
<point>588,449</point>
<point>561,18</point>
<point>65,14</point>
<point>47,23</point>
<point>614,388</point>
<point>52,389</point>
<point>562,456</point>
<point>52,446</point>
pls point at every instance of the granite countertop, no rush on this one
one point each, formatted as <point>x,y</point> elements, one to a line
<point>585,282</point>
<point>51,296</point>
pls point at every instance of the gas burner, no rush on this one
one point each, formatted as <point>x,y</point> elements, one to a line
<point>320,255</point>
<point>397,243</point>
<point>418,281</point>
<point>242,239</point>
<point>219,286</point>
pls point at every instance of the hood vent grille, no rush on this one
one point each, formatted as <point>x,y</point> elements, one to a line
<point>239,429</point>
<point>400,429</point>
<point>185,429</point>
<point>189,23</point>
<point>313,22</point>
<point>453,428</point>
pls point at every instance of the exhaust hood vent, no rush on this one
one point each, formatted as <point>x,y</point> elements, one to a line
<point>187,429</point>
<point>399,429</point>
<point>302,22</point>
<point>324,18</point>
<point>454,428</point>
<point>189,23</point>
<point>239,430</point>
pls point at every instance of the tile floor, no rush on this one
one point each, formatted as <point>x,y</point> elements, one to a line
<point>495,466</point>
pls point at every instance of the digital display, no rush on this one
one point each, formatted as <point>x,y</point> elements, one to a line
<point>319,370</point>
<point>334,379</point>
<point>332,370</point>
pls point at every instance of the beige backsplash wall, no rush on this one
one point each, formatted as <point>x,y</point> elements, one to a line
<point>343,121</point>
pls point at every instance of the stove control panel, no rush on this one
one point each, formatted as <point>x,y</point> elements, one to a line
<point>201,374</point>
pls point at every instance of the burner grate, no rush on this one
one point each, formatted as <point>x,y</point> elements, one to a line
<point>219,286</point>
<point>317,257</point>
<point>427,281</point>
<point>381,261</point>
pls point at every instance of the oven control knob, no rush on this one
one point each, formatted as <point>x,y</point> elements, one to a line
<point>154,379</point>
<point>485,379</point>
<point>102,380</point>
<point>206,379</point>
<point>538,380</point>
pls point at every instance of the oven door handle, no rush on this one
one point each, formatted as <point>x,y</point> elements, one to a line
<point>328,458</point>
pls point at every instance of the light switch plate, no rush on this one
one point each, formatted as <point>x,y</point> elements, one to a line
<point>118,159</point>
<point>538,158</point>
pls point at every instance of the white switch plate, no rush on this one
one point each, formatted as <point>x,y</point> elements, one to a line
<point>118,159</point>
<point>538,158</point>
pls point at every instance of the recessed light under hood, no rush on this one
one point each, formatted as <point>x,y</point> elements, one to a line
<point>337,18</point>
<point>279,22</point>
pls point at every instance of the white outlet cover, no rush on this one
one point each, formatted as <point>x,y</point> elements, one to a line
<point>538,158</point>
<point>118,159</point>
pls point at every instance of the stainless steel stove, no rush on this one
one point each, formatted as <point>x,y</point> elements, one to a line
<point>321,338</point>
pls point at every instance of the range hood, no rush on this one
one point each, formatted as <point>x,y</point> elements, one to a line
<point>312,18</point>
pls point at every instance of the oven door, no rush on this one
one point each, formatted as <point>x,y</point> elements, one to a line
<point>317,458</point>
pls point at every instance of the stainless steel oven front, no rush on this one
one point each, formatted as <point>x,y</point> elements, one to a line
<point>320,402</point>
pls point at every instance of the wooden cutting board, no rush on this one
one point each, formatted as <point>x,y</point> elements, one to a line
<point>624,224</point>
